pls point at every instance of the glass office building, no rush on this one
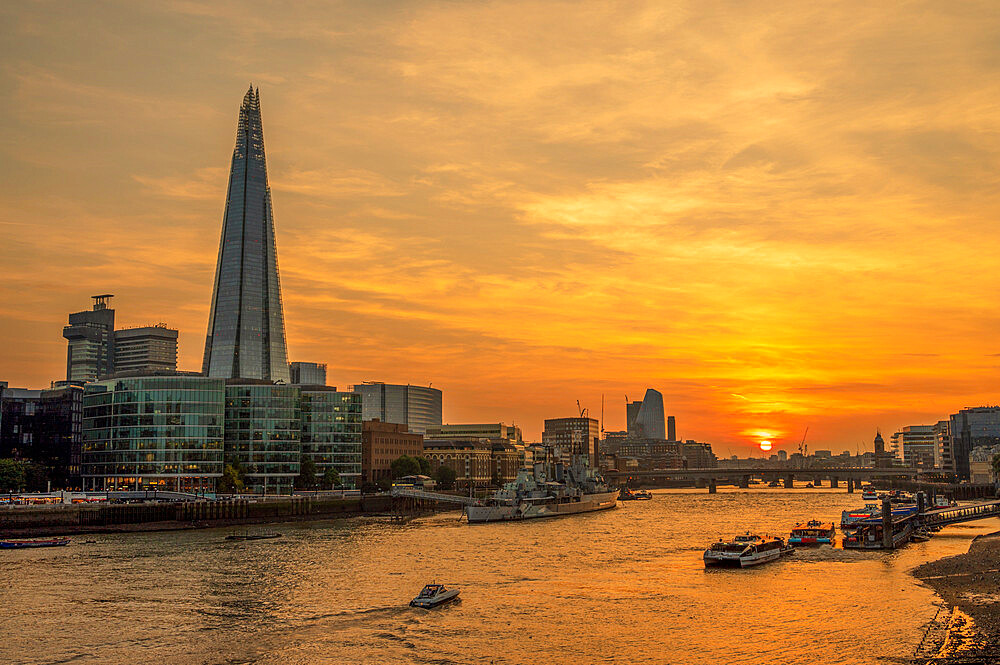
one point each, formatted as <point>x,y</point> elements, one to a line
<point>263,432</point>
<point>417,407</point>
<point>246,324</point>
<point>153,432</point>
<point>331,432</point>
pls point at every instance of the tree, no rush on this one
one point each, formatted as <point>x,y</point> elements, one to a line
<point>11,475</point>
<point>404,466</point>
<point>231,481</point>
<point>307,474</point>
<point>445,477</point>
<point>36,477</point>
<point>331,478</point>
<point>425,465</point>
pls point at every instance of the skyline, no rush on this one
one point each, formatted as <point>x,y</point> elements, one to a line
<point>736,208</point>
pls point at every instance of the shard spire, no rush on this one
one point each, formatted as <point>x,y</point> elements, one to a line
<point>246,324</point>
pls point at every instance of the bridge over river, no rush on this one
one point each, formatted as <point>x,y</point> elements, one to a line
<point>741,476</point>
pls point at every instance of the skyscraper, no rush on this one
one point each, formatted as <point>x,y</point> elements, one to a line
<point>246,325</point>
<point>650,419</point>
<point>90,354</point>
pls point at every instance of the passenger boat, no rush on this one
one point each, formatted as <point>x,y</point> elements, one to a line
<point>812,532</point>
<point>744,551</point>
<point>24,544</point>
<point>433,595</point>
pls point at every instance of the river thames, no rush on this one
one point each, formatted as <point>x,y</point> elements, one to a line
<point>624,585</point>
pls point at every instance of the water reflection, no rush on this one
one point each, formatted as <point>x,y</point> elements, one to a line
<point>623,585</point>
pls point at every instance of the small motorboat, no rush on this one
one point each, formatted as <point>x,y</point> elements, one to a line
<point>433,595</point>
<point>24,544</point>
<point>869,495</point>
<point>642,495</point>
<point>774,483</point>
<point>810,485</point>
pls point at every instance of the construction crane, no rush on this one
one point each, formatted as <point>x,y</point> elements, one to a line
<point>583,412</point>
<point>803,448</point>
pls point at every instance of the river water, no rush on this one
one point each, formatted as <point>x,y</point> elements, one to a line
<point>620,586</point>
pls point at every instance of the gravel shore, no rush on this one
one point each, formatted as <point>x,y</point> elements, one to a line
<point>968,632</point>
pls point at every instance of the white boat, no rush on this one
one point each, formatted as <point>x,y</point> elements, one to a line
<point>433,595</point>
<point>869,495</point>
<point>744,551</point>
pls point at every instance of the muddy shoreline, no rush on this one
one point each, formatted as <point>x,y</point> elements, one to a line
<point>967,630</point>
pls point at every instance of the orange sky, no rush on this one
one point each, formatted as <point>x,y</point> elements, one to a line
<point>777,214</point>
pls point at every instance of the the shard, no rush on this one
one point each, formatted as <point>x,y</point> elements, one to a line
<point>246,325</point>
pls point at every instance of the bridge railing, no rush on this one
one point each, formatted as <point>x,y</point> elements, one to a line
<point>433,496</point>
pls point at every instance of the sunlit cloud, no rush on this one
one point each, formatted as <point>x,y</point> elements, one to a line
<point>781,216</point>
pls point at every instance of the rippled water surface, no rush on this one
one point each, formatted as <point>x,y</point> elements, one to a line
<point>626,585</point>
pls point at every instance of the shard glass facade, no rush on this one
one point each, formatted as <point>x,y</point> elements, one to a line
<point>246,325</point>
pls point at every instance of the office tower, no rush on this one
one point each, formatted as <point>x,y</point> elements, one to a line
<point>631,413</point>
<point>153,432</point>
<point>146,349</point>
<point>91,352</point>
<point>246,325</point>
<point>914,446</point>
<point>671,429</point>
<point>417,407</point>
<point>970,429</point>
<point>310,374</point>
<point>649,421</point>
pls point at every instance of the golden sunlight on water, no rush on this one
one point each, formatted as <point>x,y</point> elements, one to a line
<point>626,585</point>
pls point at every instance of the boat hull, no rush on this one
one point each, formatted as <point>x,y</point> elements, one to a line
<point>742,561</point>
<point>27,544</point>
<point>526,511</point>
<point>428,603</point>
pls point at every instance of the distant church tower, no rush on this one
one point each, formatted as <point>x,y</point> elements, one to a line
<point>246,325</point>
<point>880,457</point>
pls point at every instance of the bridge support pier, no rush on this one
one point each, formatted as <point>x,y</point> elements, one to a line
<point>921,503</point>
<point>711,486</point>
<point>834,482</point>
<point>744,481</point>
<point>788,481</point>
<point>850,485</point>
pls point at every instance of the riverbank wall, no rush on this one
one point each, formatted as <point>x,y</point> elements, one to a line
<point>63,520</point>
